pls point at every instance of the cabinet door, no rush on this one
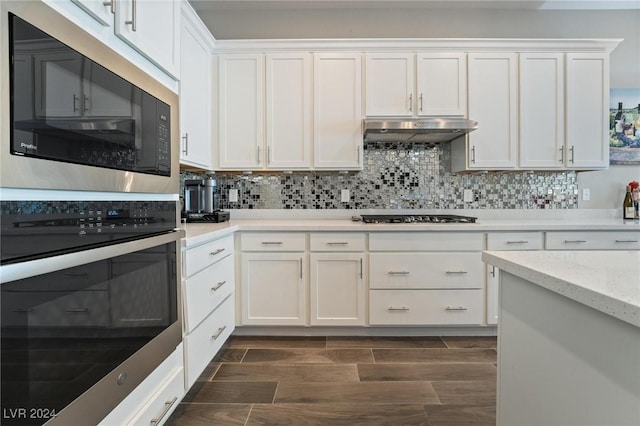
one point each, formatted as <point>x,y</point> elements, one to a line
<point>195,97</point>
<point>492,103</point>
<point>542,110</point>
<point>152,27</point>
<point>441,84</point>
<point>337,289</point>
<point>241,109</point>
<point>389,84</point>
<point>100,10</point>
<point>337,111</point>
<point>587,110</point>
<point>288,110</point>
<point>58,84</point>
<point>274,288</point>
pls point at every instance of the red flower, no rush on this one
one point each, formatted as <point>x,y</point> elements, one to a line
<point>634,185</point>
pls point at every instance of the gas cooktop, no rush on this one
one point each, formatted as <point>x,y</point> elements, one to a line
<point>414,218</point>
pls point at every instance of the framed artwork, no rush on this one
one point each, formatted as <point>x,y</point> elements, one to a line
<point>624,126</point>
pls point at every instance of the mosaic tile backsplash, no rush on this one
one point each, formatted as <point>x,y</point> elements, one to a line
<point>398,175</point>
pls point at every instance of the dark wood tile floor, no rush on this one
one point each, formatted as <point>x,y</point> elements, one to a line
<point>296,381</point>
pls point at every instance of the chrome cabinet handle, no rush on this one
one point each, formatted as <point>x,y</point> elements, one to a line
<point>358,154</point>
<point>410,102</point>
<point>493,271</point>
<point>220,284</point>
<point>420,102</point>
<point>271,243</point>
<point>561,155</point>
<point>473,154</point>
<point>455,272</point>
<point>626,241</point>
<point>300,268</point>
<point>133,20</point>
<point>459,308</point>
<point>518,242</point>
<point>361,271</point>
<point>75,103</point>
<point>85,103</point>
<point>75,274</point>
<point>185,138</point>
<point>258,154</point>
<point>391,308</point>
<point>574,241</point>
<point>398,272</point>
<point>77,310</point>
<point>268,155</point>
<point>112,4</point>
<point>213,253</point>
<point>220,331</point>
<point>167,406</point>
<point>337,243</point>
<point>572,149</point>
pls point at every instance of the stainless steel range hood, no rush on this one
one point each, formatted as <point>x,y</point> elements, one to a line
<point>428,129</point>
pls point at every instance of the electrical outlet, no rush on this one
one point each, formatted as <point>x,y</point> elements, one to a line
<point>345,196</point>
<point>468,196</point>
<point>233,195</point>
<point>586,194</point>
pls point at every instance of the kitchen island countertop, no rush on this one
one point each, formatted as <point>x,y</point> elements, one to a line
<point>608,281</point>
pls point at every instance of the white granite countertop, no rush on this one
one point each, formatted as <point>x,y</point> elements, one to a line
<point>608,281</point>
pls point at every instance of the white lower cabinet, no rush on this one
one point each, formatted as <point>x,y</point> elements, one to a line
<point>153,401</point>
<point>593,240</point>
<point>209,306</point>
<point>202,344</point>
<point>338,278</point>
<point>426,278</point>
<point>425,307</point>
<point>506,241</point>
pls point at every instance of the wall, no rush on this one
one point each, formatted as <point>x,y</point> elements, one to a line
<point>398,175</point>
<point>230,20</point>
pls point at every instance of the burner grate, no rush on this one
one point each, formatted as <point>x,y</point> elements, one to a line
<point>420,218</point>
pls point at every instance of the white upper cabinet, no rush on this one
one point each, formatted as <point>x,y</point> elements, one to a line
<point>442,84</point>
<point>492,102</point>
<point>390,81</point>
<point>407,85</point>
<point>587,106</point>
<point>265,111</point>
<point>337,127</point>
<point>541,78</point>
<point>241,111</point>
<point>153,28</point>
<point>288,110</point>
<point>195,92</point>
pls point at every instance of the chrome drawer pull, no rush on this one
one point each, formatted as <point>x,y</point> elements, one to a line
<point>167,406</point>
<point>459,308</point>
<point>272,243</point>
<point>626,241</point>
<point>574,241</point>
<point>77,310</point>
<point>76,274</point>
<point>220,331</point>
<point>398,272</point>
<point>518,242</point>
<point>391,308</point>
<point>455,272</point>
<point>220,284</point>
<point>213,253</point>
<point>337,243</point>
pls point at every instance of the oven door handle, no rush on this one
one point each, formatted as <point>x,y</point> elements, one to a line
<point>18,271</point>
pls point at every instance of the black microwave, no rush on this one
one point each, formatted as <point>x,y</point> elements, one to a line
<point>83,116</point>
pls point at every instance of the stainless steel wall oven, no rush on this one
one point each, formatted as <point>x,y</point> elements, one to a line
<point>89,236</point>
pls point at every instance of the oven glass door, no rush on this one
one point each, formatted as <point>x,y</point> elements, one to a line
<point>64,330</point>
<point>66,107</point>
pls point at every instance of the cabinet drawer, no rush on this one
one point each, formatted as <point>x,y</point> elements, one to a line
<point>515,241</point>
<point>595,240</point>
<point>163,402</point>
<point>425,307</point>
<point>205,341</point>
<point>207,289</point>
<point>425,270</point>
<point>337,241</point>
<point>198,258</point>
<point>426,241</point>
<point>272,241</point>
